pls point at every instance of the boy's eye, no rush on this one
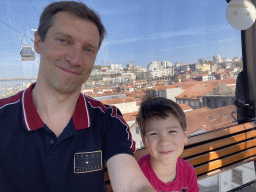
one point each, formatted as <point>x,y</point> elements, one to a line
<point>153,133</point>
<point>172,131</point>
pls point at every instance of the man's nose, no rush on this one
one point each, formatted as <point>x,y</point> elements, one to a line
<point>75,55</point>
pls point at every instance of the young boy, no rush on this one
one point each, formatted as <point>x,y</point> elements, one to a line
<point>162,126</point>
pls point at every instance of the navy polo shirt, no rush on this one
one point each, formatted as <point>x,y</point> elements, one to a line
<point>32,158</point>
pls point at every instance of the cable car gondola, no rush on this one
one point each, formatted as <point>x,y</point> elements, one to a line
<point>27,52</point>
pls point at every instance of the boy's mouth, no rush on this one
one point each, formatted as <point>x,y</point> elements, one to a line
<point>165,152</point>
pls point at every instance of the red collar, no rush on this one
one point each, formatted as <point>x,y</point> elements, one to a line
<point>81,116</point>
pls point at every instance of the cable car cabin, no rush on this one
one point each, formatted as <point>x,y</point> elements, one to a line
<point>27,53</point>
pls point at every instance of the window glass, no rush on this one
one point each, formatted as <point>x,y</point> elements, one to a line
<point>185,47</point>
<point>229,179</point>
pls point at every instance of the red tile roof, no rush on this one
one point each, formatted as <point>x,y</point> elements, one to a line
<point>130,116</point>
<point>164,87</point>
<point>198,90</point>
<point>120,100</point>
<point>210,119</point>
<point>185,107</point>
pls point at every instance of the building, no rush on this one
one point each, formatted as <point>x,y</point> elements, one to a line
<point>208,77</point>
<point>205,67</point>
<point>125,105</point>
<point>201,61</point>
<point>154,65</point>
<point>204,94</point>
<point>116,67</point>
<point>129,66</point>
<point>130,119</point>
<point>204,119</point>
<point>217,59</point>
<point>237,59</point>
<point>195,67</point>
<point>168,91</point>
<point>214,67</point>
<point>166,64</point>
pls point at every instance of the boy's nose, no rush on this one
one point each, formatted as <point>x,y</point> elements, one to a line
<point>164,141</point>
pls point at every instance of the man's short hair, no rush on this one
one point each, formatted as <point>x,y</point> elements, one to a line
<point>78,9</point>
<point>158,107</point>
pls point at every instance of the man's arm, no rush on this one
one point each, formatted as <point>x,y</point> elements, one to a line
<point>126,175</point>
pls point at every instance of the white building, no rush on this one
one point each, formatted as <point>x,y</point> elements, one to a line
<point>166,64</point>
<point>226,60</point>
<point>156,73</point>
<point>217,59</point>
<point>237,59</point>
<point>208,78</point>
<point>116,67</point>
<point>154,65</point>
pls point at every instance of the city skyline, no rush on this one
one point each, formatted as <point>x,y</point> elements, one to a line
<point>139,31</point>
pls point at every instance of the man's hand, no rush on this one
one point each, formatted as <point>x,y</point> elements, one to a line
<point>126,175</point>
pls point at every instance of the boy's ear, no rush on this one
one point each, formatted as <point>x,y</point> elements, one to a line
<point>144,142</point>
<point>186,138</point>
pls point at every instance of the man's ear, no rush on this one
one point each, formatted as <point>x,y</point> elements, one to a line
<point>37,43</point>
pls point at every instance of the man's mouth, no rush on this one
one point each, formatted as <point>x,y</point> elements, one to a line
<point>68,71</point>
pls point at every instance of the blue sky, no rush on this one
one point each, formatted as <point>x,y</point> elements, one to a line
<point>139,30</point>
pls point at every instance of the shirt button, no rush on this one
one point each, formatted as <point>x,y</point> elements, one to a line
<point>51,141</point>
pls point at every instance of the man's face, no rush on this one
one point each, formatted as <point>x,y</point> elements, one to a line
<point>68,52</point>
<point>165,139</point>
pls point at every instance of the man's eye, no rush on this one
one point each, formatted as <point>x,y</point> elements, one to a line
<point>62,40</point>
<point>153,134</point>
<point>88,50</point>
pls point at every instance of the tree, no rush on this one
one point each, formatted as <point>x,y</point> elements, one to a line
<point>239,64</point>
<point>97,67</point>
<point>125,69</point>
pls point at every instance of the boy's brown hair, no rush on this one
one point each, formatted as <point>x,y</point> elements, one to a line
<point>158,107</point>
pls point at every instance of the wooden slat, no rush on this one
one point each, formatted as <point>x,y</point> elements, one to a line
<point>109,188</point>
<point>139,153</point>
<point>223,152</point>
<point>227,168</point>
<point>220,143</point>
<point>106,176</point>
<point>220,133</point>
<point>226,161</point>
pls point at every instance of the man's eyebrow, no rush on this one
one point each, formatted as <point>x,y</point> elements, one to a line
<point>69,36</point>
<point>60,33</point>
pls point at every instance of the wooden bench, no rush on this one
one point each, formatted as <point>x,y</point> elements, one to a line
<point>216,151</point>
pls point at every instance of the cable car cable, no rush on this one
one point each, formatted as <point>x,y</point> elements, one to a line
<point>34,8</point>
<point>12,27</point>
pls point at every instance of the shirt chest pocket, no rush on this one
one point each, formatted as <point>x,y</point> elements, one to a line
<point>85,162</point>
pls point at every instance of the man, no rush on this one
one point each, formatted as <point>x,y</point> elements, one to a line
<point>53,138</point>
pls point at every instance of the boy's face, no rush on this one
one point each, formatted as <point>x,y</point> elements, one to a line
<point>165,139</point>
